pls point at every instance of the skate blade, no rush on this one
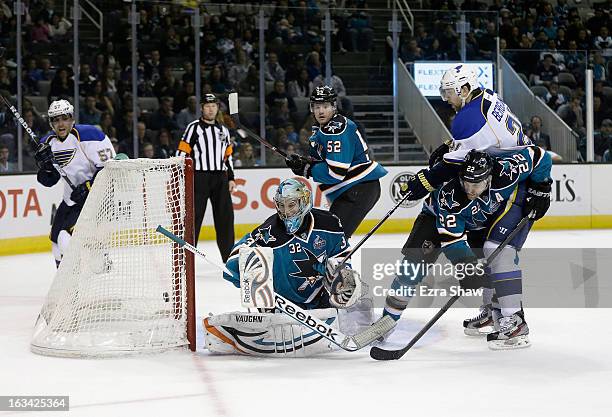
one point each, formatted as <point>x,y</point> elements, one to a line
<point>482,332</point>
<point>519,342</point>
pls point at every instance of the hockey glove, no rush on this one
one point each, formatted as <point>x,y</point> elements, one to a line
<point>299,165</point>
<point>346,284</point>
<point>538,199</point>
<point>417,186</point>
<point>473,275</point>
<point>437,155</point>
<point>44,157</point>
<point>80,193</point>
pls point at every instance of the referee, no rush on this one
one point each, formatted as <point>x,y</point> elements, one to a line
<point>208,142</point>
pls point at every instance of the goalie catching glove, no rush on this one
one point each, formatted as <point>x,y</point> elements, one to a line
<point>343,285</point>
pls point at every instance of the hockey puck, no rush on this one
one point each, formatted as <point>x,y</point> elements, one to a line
<point>166,297</point>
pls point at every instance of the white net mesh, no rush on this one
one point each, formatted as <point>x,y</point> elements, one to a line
<point>121,286</point>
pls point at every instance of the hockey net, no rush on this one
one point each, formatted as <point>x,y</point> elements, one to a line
<point>122,287</point>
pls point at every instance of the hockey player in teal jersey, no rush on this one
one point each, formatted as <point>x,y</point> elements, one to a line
<point>304,242</point>
<point>489,198</point>
<point>340,162</point>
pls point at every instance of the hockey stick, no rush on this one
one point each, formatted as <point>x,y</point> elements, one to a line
<point>182,243</point>
<point>334,285</point>
<point>386,355</point>
<point>345,342</point>
<point>243,131</point>
<point>35,140</point>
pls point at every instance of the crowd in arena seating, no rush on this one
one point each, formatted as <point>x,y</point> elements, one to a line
<point>294,65</point>
<point>549,43</point>
<point>566,40</point>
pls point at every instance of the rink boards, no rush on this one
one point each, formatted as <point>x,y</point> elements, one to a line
<point>580,201</point>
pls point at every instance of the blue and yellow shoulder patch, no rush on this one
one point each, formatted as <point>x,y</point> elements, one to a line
<point>88,133</point>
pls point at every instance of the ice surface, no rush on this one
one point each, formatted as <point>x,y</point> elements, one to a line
<point>567,371</point>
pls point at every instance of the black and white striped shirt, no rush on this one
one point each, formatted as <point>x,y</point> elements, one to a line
<point>209,145</point>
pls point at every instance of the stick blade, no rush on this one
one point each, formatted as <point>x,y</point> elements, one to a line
<point>233,103</point>
<point>386,355</point>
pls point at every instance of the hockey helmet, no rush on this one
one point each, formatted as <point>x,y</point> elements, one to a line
<point>455,78</point>
<point>60,108</point>
<point>475,174</point>
<point>210,98</point>
<point>323,94</point>
<point>293,202</point>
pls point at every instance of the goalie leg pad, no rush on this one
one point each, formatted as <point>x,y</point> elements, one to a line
<point>266,334</point>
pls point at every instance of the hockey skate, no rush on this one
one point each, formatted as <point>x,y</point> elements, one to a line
<point>484,323</point>
<point>512,334</point>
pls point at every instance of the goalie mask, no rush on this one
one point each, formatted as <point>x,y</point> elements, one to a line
<point>293,202</point>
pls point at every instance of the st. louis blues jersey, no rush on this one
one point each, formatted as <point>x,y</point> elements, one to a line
<point>456,214</point>
<point>81,154</point>
<point>298,258</point>
<point>485,123</point>
<point>344,156</point>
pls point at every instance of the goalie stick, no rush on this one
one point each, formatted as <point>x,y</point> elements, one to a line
<point>33,138</point>
<point>386,355</point>
<point>182,243</point>
<point>348,343</point>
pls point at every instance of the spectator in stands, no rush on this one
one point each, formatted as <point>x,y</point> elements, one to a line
<point>600,112</point>
<point>239,70</point>
<point>89,114</point>
<point>225,45</point>
<point>411,52</point>
<point>171,43</point>
<point>6,83</point>
<point>599,67</point>
<point>109,83</point>
<point>103,102</point>
<point>279,95</point>
<point>335,81</point>
<point>61,87</point>
<point>487,43</point>
<point>279,113</point>
<point>106,124</point>
<point>360,31</point>
<point>584,41</point>
<point>604,136</point>
<point>249,87</point>
<point>143,134</point>
<point>167,85</point>
<point>188,75</point>
<point>164,116</point>
<point>272,69</point>
<point>599,20</point>
<point>546,72</point>
<point>313,65</point>
<point>301,87</point>
<point>535,133</point>
<point>45,69</point>
<point>40,31</point>
<point>147,151</point>
<point>59,27</point>
<point>163,149</point>
<point>5,165</point>
<point>554,98</point>
<point>435,53</point>
<point>246,157</point>
<point>571,113</point>
<point>153,66</point>
<point>304,141</point>
<point>604,40</point>
<point>180,98</point>
<point>86,80</point>
<point>188,114</point>
<point>31,76</point>
<point>217,80</point>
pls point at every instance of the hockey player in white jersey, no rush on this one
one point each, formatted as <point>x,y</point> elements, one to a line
<point>483,122</point>
<point>81,151</point>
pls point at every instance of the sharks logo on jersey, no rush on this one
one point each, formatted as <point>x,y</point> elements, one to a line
<point>334,127</point>
<point>447,199</point>
<point>508,169</point>
<point>307,269</point>
<point>265,235</point>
